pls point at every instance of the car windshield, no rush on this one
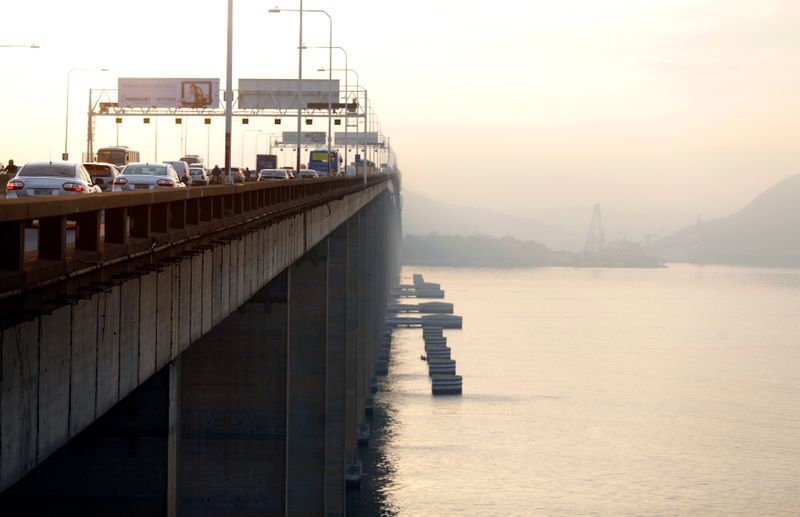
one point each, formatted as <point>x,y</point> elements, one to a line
<point>148,170</point>
<point>98,170</point>
<point>51,170</point>
<point>196,172</point>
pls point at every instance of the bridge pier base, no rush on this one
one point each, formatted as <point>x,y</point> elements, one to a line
<point>233,414</point>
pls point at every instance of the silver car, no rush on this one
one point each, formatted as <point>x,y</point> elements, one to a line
<point>199,176</point>
<point>148,176</point>
<point>50,179</point>
<point>273,174</point>
<point>103,174</point>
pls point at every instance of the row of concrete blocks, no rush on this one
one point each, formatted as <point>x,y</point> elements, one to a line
<point>441,367</point>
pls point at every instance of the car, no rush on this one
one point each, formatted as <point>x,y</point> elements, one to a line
<point>198,175</point>
<point>253,175</point>
<point>182,168</point>
<point>148,176</point>
<point>41,178</point>
<point>103,174</point>
<point>237,174</point>
<point>308,173</point>
<point>273,174</point>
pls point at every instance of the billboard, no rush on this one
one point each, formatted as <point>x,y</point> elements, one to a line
<point>306,138</point>
<point>153,92</point>
<point>369,138</point>
<point>280,94</point>
<point>266,161</point>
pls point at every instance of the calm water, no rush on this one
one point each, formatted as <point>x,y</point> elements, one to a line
<point>602,392</point>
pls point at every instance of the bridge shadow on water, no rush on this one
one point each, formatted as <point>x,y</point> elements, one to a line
<point>378,464</point>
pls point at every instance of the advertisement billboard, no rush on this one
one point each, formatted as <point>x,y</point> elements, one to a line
<point>279,94</point>
<point>369,138</point>
<point>306,137</point>
<point>266,161</point>
<point>152,92</point>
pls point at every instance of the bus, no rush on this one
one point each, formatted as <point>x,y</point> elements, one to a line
<point>318,161</point>
<point>369,165</point>
<point>118,155</point>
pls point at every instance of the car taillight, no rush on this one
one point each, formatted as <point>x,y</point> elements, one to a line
<point>165,183</point>
<point>120,181</point>
<point>72,186</point>
<point>15,185</point>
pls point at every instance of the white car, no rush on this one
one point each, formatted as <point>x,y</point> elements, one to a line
<point>308,173</point>
<point>148,176</point>
<point>199,175</point>
<point>50,179</point>
<point>273,174</point>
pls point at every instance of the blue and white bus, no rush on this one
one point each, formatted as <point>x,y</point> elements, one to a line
<point>324,164</point>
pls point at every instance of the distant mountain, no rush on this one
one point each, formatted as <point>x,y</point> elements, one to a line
<point>422,216</point>
<point>479,251</point>
<point>766,232</point>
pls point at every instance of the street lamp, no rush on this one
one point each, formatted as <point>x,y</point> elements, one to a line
<point>330,70</point>
<point>330,78</point>
<point>65,156</point>
<point>20,46</point>
<point>365,113</point>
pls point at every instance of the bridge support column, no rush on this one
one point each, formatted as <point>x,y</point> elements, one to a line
<point>335,460</point>
<point>305,454</point>
<point>353,416</point>
<point>233,397</point>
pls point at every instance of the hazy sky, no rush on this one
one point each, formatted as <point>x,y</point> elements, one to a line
<point>658,109</point>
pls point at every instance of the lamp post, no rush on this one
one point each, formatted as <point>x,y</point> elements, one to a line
<point>346,67</point>
<point>330,79</point>
<point>65,156</point>
<point>365,112</point>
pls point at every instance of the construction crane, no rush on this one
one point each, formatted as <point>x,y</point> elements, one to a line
<point>595,238</point>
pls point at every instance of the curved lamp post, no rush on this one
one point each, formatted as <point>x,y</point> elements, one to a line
<point>65,156</point>
<point>330,79</point>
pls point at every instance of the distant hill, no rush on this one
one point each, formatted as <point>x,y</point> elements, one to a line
<point>480,251</point>
<point>422,216</point>
<point>766,232</point>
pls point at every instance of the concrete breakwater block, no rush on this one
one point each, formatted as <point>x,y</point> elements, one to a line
<point>446,384</point>
<point>352,475</point>
<point>431,330</point>
<point>438,353</point>
<point>449,321</point>
<point>441,366</point>
<point>435,341</point>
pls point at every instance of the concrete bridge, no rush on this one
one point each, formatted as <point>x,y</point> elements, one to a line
<point>207,351</point>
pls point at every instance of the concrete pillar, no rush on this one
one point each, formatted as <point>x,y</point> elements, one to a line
<point>335,461</point>
<point>363,361</point>
<point>305,454</point>
<point>353,417</point>
<point>119,465</point>
<point>233,418</point>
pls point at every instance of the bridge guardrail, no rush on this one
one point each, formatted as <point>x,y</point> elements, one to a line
<point>116,226</point>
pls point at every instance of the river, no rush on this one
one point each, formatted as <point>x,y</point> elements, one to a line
<point>597,392</point>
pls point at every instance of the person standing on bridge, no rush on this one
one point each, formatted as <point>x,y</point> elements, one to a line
<point>215,172</point>
<point>10,169</point>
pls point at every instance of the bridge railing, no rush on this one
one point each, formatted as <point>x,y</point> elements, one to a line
<point>113,227</point>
